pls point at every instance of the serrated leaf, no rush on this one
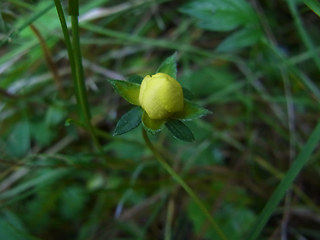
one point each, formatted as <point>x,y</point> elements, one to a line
<point>135,79</point>
<point>128,90</point>
<point>151,125</point>
<point>169,66</point>
<point>191,111</point>
<point>180,130</point>
<point>240,39</point>
<point>128,121</point>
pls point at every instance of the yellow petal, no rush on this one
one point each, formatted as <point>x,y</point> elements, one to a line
<point>161,96</point>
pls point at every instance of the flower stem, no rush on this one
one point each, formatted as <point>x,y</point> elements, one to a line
<point>75,58</point>
<point>183,184</point>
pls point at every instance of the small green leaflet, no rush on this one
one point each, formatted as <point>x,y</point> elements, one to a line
<point>180,130</point>
<point>191,111</point>
<point>135,79</point>
<point>169,66</point>
<point>128,90</point>
<point>128,121</point>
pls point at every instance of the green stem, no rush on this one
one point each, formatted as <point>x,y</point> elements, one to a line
<point>183,184</point>
<point>67,41</point>
<point>75,58</point>
<point>80,82</point>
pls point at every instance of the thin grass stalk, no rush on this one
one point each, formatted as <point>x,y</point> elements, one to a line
<point>303,34</point>
<point>169,220</point>
<point>184,185</point>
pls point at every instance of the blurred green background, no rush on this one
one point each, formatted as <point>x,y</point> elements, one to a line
<point>254,64</point>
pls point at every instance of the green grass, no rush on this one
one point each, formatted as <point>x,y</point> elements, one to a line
<point>253,171</point>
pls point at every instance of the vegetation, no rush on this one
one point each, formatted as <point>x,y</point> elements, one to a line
<point>252,171</point>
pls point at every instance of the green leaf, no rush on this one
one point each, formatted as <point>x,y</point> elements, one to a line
<point>42,133</point>
<point>13,219</point>
<point>135,79</point>
<point>191,111</point>
<point>55,115</point>
<point>72,209</point>
<point>169,66</point>
<point>180,130</point>
<point>8,231</point>
<point>128,121</point>
<point>217,15</point>
<point>151,125</point>
<point>216,81</point>
<point>19,141</point>
<point>240,39</point>
<point>128,90</point>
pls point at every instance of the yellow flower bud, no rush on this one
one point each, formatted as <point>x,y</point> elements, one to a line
<point>160,96</point>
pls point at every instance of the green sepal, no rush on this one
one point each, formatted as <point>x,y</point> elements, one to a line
<point>153,126</point>
<point>128,121</point>
<point>135,79</point>
<point>187,94</point>
<point>169,66</point>
<point>191,111</point>
<point>179,130</point>
<point>128,90</point>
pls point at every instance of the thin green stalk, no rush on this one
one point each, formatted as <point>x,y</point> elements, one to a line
<point>80,82</point>
<point>67,40</point>
<point>286,183</point>
<point>183,184</point>
<point>304,35</point>
<point>75,58</point>
<point>68,43</point>
<point>169,219</point>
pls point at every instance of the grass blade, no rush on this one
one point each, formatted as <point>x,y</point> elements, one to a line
<point>303,34</point>
<point>286,182</point>
<point>313,5</point>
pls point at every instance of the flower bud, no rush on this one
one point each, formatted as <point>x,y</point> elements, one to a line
<point>160,96</point>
